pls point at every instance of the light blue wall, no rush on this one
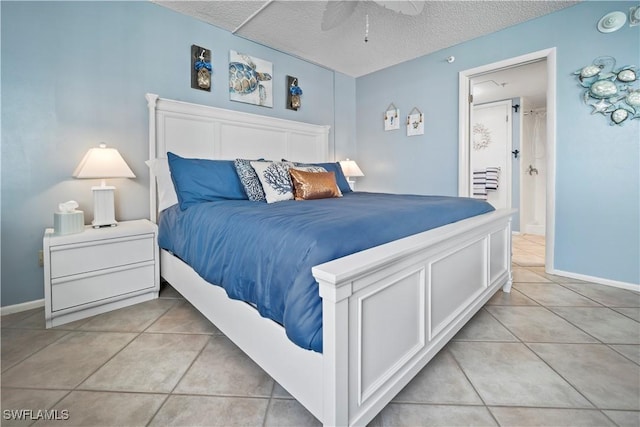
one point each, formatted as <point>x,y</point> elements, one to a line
<point>597,165</point>
<point>345,123</point>
<point>75,74</point>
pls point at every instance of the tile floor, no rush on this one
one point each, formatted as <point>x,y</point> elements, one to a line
<point>528,250</point>
<point>554,352</point>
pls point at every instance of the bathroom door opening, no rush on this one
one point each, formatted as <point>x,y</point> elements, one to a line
<point>546,190</point>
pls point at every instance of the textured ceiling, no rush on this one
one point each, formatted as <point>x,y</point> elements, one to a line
<point>294,27</point>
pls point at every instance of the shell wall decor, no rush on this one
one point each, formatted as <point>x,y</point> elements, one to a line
<point>611,91</point>
<point>481,137</point>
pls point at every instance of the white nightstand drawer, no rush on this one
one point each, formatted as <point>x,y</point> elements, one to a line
<point>88,288</point>
<point>99,269</point>
<point>78,258</point>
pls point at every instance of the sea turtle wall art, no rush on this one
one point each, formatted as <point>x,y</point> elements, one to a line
<point>250,79</point>
<point>611,91</point>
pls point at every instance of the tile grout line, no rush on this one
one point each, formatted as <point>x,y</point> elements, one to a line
<point>35,352</point>
<point>484,403</point>
<point>266,413</point>
<point>170,393</point>
<point>138,334</point>
<point>599,342</point>
<point>544,361</point>
<point>554,370</point>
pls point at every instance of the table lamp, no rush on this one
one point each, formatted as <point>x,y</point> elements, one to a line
<point>102,162</point>
<point>350,168</point>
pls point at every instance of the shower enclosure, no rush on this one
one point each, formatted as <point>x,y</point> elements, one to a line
<point>533,168</point>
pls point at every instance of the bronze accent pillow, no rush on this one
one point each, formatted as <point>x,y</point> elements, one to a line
<point>313,185</point>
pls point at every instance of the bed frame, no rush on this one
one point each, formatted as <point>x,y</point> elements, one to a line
<point>386,310</point>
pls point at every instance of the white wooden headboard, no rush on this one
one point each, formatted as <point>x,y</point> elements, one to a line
<point>200,131</point>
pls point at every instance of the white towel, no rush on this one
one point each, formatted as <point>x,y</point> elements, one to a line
<point>485,180</point>
<point>493,177</point>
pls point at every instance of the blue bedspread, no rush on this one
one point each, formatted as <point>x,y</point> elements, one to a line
<point>263,253</point>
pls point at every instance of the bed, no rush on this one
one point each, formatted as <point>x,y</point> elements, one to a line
<point>386,310</point>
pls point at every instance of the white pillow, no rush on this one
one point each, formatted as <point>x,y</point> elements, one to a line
<point>275,180</point>
<point>167,196</point>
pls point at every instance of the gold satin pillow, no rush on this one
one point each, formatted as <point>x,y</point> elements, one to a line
<point>313,185</point>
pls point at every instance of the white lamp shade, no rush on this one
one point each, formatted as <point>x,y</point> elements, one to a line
<point>350,168</point>
<point>103,162</point>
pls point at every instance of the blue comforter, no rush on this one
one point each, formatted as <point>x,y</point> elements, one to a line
<point>263,253</point>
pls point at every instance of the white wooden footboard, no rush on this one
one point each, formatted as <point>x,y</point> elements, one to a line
<point>403,302</point>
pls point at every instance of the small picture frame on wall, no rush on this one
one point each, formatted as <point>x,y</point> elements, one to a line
<point>201,68</point>
<point>391,118</point>
<point>415,123</point>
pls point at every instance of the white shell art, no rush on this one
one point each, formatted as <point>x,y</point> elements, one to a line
<point>633,99</point>
<point>627,76</point>
<point>589,71</point>
<point>481,137</point>
<point>603,89</point>
<point>620,115</point>
<point>609,90</point>
<point>611,22</point>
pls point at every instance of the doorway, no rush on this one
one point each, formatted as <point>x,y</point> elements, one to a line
<point>536,209</point>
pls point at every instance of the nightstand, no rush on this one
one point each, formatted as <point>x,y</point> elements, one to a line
<point>99,270</point>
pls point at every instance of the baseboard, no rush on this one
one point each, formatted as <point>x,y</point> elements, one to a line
<point>598,280</point>
<point>536,229</point>
<point>16,308</point>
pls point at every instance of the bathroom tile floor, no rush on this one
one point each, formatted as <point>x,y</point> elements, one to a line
<point>528,250</point>
<point>553,352</point>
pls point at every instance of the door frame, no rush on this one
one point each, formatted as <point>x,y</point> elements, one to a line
<point>464,134</point>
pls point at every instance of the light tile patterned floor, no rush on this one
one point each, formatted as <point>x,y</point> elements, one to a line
<point>554,352</point>
<point>528,250</point>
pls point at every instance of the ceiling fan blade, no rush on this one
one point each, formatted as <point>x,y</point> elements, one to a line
<point>336,13</point>
<point>405,7</point>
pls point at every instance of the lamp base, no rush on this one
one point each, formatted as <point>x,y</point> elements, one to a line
<point>103,207</point>
<point>352,184</point>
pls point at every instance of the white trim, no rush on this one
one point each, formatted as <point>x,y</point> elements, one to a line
<point>17,308</point>
<point>597,280</point>
<point>520,175</point>
<point>463,134</point>
<point>550,219</point>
